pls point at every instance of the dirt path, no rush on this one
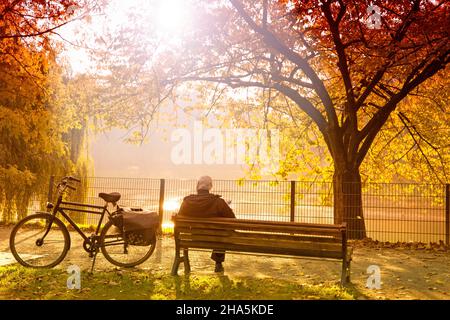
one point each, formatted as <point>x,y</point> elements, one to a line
<point>405,273</point>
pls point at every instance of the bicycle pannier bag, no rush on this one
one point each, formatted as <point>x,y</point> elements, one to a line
<point>138,226</point>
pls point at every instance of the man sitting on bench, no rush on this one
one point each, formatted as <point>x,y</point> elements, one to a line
<point>207,205</point>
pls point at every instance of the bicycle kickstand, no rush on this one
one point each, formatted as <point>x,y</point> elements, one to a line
<point>93,261</point>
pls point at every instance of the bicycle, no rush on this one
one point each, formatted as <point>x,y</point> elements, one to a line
<point>42,240</point>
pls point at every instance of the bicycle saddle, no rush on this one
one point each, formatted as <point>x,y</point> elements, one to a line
<point>110,197</point>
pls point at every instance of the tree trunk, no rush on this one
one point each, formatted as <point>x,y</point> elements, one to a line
<point>348,201</point>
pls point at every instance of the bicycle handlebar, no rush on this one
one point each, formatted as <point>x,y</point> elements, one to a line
<point>64,184</point>
<point>73,179</point>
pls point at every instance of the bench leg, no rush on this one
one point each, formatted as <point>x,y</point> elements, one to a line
<point>187,265</point>
<point>347,276</point>
<point>176,265</point>
<point>344,272</point>
<point>176,262</point>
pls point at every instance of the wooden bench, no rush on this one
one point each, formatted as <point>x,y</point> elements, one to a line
<point>262,237</point>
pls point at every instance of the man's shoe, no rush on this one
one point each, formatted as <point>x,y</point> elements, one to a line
<point>219,267</point>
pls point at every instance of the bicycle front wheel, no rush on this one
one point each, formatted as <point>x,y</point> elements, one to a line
<point>40,241</point>
<point>118,252</point>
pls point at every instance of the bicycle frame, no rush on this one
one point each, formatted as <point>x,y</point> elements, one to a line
<point>78,207</point>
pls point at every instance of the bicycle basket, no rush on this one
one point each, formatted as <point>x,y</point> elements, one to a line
<point>138,227</point>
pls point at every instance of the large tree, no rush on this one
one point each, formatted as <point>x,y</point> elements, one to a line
<point>346,65</point>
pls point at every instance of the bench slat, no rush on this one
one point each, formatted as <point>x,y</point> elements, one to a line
<point>260,222</point>
<point>257,227</point>
<point>264,235</point>
<point>261,249</point>
<point>206,231</point>
<point>258,241</point>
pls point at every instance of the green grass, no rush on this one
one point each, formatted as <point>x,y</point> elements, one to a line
<point>17,282</point>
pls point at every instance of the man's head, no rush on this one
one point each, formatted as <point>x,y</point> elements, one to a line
<point>204,183</point>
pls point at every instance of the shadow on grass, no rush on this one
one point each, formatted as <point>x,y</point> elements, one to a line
<point>222,287</point>
<point>17,282</point>
<point>355,292</point>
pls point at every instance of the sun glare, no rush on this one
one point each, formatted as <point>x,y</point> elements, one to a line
<point>167,227</point>
<point>172,15</point>
<point>171,205</point>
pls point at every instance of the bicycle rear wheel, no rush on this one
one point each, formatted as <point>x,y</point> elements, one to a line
<point>120,253</point>
<point>39,241</point>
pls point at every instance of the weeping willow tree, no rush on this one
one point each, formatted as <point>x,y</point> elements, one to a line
<point>40,133</point>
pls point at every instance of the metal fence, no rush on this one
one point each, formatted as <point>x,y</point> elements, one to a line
<point>406,212</point>
<point>392,211</point>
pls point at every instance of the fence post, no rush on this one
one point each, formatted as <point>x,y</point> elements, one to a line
<point>447,214</point>
<point>292,201</point>
<point>162,186</point>
<point>50,189</point>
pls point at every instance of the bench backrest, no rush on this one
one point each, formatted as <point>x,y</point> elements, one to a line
<point>271,237</point>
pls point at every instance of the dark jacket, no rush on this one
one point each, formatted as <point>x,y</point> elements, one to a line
<point>205,205</point>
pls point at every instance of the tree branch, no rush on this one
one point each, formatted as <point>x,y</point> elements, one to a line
<point>398,37</point>
<point>340,50</point>
<point>403,118</point>
<point>272,41</point>
<point>40,33</point>
<point>369,132</point>
<point>305,105</point>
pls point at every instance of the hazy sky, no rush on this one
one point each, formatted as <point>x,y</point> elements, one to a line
<point>113,157</point>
